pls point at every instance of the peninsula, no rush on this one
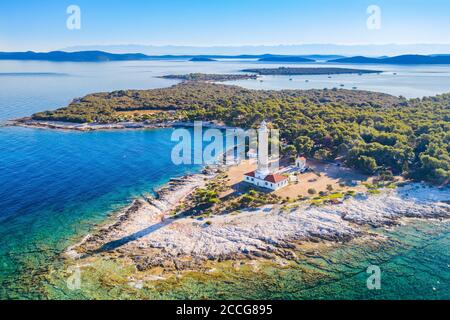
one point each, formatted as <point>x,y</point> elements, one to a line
<point>369,131</point>
<point>363,149</point>
<point>209,77</point>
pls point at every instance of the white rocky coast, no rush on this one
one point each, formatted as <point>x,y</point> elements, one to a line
<point>146,235</point>
<point>59,125</point>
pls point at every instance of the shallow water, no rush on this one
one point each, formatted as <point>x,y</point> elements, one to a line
<point>55,185</point>
<point>413,264</point>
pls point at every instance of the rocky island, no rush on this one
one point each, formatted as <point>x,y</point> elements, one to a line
<point>210,77</point>
<point>307,71</point>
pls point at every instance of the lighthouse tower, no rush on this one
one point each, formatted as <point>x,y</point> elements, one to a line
<point>263,152</point>
<point>263,177</point>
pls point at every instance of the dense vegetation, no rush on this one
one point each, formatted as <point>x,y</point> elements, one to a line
<point>374,132</point>
<point>306,71</point>
<point>209,77</point>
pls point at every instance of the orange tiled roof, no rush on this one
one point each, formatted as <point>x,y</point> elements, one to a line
<point>275,178</point>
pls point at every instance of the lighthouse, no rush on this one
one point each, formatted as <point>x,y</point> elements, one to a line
<point>262,176</point>
<point>263,151</point>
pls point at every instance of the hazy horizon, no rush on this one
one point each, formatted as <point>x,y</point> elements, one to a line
<point>375,50</point>
<point>196,26</point>
<point>287,49</point>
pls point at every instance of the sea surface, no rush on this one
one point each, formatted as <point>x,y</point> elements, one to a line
<point>55,186</point>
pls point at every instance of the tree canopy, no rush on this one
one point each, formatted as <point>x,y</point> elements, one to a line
<point>370,131</point>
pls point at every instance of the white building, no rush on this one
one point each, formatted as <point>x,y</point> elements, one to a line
<point>300,164</point>
<point>263,177</point>
<point>272,181</point>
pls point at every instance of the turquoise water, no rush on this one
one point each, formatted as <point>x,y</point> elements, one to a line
<point>55,186</point>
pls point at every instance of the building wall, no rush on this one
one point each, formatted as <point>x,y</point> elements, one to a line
<point>301,164</point>
<point>265,184</point>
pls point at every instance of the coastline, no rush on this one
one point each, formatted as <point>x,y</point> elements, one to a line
<point>86,127</point>
<point>148,236</point>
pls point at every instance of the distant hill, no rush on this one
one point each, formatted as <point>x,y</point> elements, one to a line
<point>82,56</point>
<point>101,56</point>
<point>404,59</point>
<point>285,59</point>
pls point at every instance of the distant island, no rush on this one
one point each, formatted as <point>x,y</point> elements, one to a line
<point>102,56</point>
<point>285,59</point>
<point>306,71</point>
<point>403,59</point>
<point>202,59</point>
<point>209,77</point>
<point>83,56</point>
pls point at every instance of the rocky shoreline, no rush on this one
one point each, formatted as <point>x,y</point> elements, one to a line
<point>148,235</point>
<point>86,127</point>
<point>59,125</point>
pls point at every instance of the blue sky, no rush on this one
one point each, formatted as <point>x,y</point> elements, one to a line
<point>41,25</point>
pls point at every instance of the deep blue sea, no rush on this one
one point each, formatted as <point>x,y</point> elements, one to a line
<point>56,185</point>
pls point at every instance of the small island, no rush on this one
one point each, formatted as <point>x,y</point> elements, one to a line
<point>202,59</point>
<point>285,59</point>
<point>209,77</point>
<point>306,71</point>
